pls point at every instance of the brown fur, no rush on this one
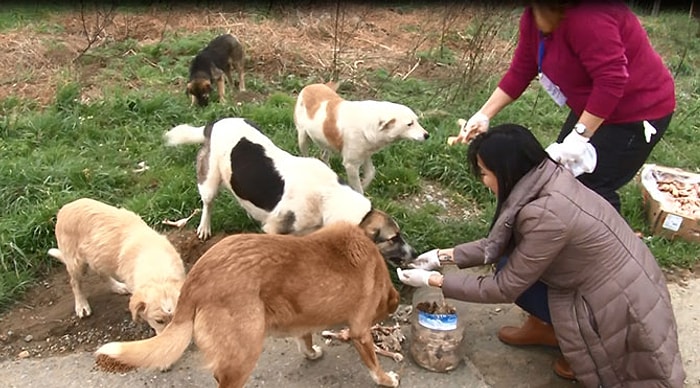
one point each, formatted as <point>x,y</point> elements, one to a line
<point>124,251</point>
<point>316,94</point>
<point>249,286</point>
<point>211,64</point>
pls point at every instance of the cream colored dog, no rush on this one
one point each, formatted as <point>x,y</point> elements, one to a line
<point>124,251</point>
<point>355,129</point>
<point>249,286</point>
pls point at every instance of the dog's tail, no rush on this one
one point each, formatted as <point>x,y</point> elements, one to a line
<point>160,351</point>
<point>56,253</point>
<point>184,134</point>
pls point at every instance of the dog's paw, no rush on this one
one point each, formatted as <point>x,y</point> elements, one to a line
<point>119,287</point>
<point>394,379</point>
<point>83,310</point>
<point>203,232</point>
<point>315,354</point>
<point>388,379</point>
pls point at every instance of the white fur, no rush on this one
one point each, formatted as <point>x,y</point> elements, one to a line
<point>312,191</point>
<point>365,128</point>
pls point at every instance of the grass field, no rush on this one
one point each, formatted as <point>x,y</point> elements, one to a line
<point>85,126</point>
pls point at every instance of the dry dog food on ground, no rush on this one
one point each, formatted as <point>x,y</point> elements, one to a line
<point>108,364</point>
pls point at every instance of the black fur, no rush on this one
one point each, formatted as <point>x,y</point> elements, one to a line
<point>254,177</point>
<point>220,53</point>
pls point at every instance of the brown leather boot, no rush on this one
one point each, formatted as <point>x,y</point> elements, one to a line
<point>562,369</point>
<point>533,332</point>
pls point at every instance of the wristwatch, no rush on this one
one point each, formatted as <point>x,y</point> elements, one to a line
<point>581,129</point>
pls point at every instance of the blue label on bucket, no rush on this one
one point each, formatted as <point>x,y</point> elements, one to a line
<point>437,321</point>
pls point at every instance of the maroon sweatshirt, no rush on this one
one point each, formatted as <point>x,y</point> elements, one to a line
<point>602,60</point>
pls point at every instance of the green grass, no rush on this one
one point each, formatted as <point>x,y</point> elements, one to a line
<point>72,149</point>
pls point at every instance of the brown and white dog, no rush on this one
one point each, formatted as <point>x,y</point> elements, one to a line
<point>124,251</point>
<point>288,194</point>
<point>211,64</point>
<point>355,129</point>
<point>250,286</point>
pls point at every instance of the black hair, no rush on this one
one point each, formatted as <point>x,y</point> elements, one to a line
<point>509,151</point>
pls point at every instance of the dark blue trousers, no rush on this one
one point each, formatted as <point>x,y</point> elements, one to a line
<point>534,299</point>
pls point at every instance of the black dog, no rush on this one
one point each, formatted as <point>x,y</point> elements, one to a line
<point>215,60</point>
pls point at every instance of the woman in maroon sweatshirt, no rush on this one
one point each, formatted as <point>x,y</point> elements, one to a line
<point>596,58</point>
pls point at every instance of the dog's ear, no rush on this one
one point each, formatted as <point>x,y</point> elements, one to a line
<point>384,125</point>
<point>332,85</point>
<point>137,306</point>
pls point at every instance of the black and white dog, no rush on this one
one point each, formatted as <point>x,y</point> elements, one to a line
<point>287,194</point>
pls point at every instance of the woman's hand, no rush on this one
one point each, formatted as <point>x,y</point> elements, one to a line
<point>427,260</point>
<point>477,124</point>
<point>432,259</point>
<point>419,277</point>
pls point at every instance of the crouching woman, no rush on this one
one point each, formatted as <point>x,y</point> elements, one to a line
<point>568,258</point>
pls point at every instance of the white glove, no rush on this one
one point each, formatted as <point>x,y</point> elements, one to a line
<point>415,277</point>
<point>427,260</point>
<point>575,143</point>
<point>575,153</point>
<point>476,124</point>
<point>555,152</point>
<point>649,130</point>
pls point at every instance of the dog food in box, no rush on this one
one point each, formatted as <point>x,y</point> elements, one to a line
<point>672,201</point>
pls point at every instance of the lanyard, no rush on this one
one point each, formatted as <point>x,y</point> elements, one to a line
<point>540,53</point>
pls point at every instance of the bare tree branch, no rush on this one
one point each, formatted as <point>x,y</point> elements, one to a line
<point>102,20</point>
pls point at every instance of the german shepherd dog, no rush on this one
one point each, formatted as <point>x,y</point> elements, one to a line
<point>215,60</point>
<point>250,286</point>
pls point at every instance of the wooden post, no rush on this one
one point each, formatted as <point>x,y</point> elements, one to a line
<point>655,9</point>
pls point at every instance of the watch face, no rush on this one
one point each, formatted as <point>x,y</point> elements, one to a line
<point>580,129</point>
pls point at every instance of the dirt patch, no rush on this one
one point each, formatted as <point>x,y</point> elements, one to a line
<point>315,42</point>
<point>44,323</point>
<point>682,276</point>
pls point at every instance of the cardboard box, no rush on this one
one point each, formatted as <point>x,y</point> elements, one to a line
<point>663,213</point>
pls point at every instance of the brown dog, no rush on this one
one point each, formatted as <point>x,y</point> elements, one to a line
<point>124,251</point>
<point>249,286</point>
<point>209,66</point>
